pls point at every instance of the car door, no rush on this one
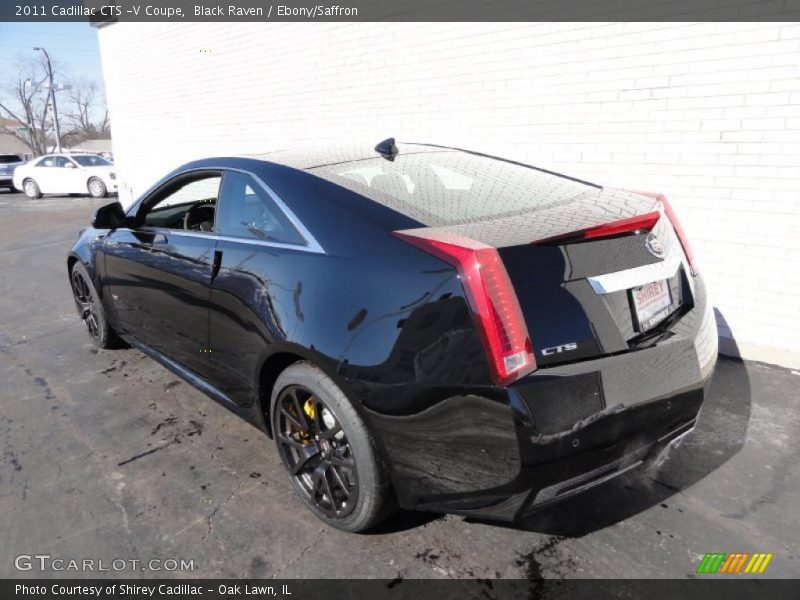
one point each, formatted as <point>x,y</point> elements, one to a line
<point>67,176</point>
<point>263,252</point>
<point>159,271</point>
<point>44,174</point>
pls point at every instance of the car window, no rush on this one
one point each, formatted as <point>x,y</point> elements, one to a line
<point>6,159</point>
<point>190,205</point>
<point>47,161</point>
<point>248,211</point>
<point>63,161</point>
<point>90,160</point>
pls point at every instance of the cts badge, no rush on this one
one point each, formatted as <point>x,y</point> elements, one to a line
<point>559,349</point>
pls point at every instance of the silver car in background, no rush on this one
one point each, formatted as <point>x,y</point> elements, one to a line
<point>9,162</point>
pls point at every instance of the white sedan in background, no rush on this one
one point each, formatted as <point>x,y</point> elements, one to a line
<point>66,174</point>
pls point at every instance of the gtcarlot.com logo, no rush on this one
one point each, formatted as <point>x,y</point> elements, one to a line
<point>47,562</point>
<point>734,563</point>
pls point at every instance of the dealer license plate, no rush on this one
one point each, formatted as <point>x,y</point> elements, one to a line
<point>652,303</point>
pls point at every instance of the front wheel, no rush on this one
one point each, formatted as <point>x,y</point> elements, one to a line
<point>31,189</point>
<point>329,453</point>
<point>97,188</point>
<point>91,310</point>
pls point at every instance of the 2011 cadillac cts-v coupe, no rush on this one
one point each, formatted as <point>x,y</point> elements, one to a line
<point>413,324</point>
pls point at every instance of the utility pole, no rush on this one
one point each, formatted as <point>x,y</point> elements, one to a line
<point>52,98</point>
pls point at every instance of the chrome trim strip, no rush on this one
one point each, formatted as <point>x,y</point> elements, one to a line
<point>230,238</point>
<point>178,232</point>
<point>226,238</point>
<point>630,278</point>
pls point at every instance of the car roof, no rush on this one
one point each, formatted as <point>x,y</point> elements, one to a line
<point>66,155</point>
<point>310,157</point>
<point>69,154</point>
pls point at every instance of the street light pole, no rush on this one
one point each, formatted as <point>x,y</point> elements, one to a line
<point>52,98</point>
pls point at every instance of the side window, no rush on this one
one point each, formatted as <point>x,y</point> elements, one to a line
<point>189,204</point>
<point>63,161</point>
<point>248,211</point>
<point>47,161</point>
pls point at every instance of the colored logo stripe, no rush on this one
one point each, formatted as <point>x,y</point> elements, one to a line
<point>734,563</point>
<point>711,562</point>
<point>721,562</point>
<point>758,563</point>
<point>728,562</point>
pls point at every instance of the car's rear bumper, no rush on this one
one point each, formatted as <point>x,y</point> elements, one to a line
<point>552,472</point>
<point>567,428</point>
<point>6,181</point>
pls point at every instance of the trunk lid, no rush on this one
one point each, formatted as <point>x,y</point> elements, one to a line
<point>581,294</point>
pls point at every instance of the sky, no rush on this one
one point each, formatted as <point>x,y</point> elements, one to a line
<point>72,45</point>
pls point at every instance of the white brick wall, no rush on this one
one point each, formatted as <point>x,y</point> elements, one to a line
<point>707,113</point>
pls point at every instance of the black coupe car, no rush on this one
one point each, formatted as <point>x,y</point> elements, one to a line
<point>414,325</point>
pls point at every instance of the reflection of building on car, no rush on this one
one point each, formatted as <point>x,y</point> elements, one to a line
<point>8,164</point>
<point>66,174</point>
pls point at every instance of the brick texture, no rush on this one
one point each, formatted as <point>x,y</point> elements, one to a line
<point>707,113</point>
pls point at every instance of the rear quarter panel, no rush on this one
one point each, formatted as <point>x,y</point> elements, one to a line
<point>394,323</point>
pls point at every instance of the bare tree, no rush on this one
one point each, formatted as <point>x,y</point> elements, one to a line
<point>82,111</point>
<point>25,100</point>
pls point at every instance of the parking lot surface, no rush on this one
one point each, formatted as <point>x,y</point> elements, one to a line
<point>105,454</point>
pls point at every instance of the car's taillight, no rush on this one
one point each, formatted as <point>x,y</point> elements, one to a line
<point>676,225</point>
<point>492,300</point>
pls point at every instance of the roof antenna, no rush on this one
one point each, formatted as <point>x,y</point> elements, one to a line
<point>387,149</point>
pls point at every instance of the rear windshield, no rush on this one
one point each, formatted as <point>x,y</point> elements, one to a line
<point>6,159</point>
<point>452,187</point>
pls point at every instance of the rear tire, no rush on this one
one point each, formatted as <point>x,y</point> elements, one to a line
<point>31,189</point>
<point>330,455</point>
<point>90,309</point>
<point>97,188</point>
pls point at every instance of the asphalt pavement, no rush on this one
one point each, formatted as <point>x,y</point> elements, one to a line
<point>105,454</point>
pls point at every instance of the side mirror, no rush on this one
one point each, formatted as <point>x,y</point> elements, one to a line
<point>109,216</point>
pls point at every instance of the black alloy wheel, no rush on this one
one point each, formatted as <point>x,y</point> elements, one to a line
<point>87,308</point>
<point>90,309</point>
<point>316,452</point>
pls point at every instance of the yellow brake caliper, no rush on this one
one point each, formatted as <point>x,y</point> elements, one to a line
<point>308,409</point>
